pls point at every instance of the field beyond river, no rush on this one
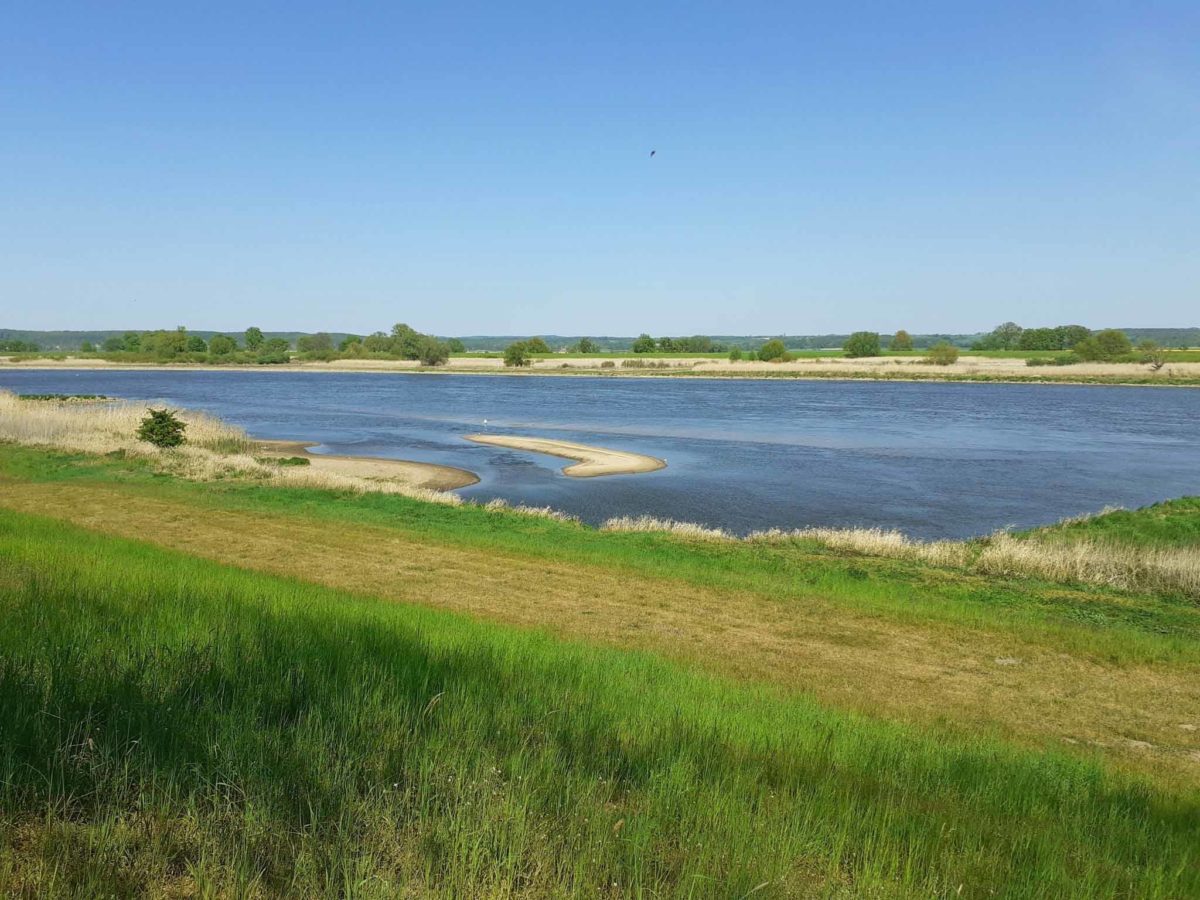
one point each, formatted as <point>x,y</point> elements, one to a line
<point>932,460</point>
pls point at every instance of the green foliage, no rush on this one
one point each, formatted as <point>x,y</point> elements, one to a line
<point>160,712</point>
<point>18,347</point>
<point>222,345</point>
<point>112,344</point>
<point>273,352</point>
<point>254,338</point>
<point>517,354</point>
<point>285,461</point>
<point>644,344</point>
<point>735,353</point>
<point>432,352</point>
<point>196,344</point>
<point>87,347</point>
<point>901,341</point>
<point>1104,346</point>
<point>774,350</point>
<point>457,346</point>
<point>1002,337</point>
<point>863,343</point>
<point>537,345</point>
<point>943,354</point>
<point>585,345</point>
<point>162,428</point>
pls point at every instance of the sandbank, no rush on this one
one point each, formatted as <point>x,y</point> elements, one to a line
<point>415,474</point>
<point>590,461</point>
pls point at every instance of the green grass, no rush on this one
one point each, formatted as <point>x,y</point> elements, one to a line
<point>1173,523</point>
<point>169,723</point>
<point>1111,626</point>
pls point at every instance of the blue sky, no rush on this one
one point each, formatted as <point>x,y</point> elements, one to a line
<point>485,168</point>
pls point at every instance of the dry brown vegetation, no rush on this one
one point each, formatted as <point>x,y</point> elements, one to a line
<point>214,450</point>
<point>1078,561</point>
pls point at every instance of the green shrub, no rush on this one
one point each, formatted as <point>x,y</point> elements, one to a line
<point>735,354</point>
<point>162,428</point>
<point>283,460</point>
<point>516,355</point>
<point>774,350</point>
<point>863,343</point>
<point>943,353</point>
<point>902,341</point>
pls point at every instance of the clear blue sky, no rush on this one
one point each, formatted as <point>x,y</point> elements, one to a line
<point>485,168</point>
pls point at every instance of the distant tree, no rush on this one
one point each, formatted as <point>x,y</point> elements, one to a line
<point>516,354</point>
<point>774,350</point>
<point>862,343</point>
<point>901,341</point>
<point>537,345</point>
<point>196,344</point>
<point>644,344</point>
<point>943,353</point>
<point>456,345</point>
<point>735,354</point>
<point>273,352</point>
<point>165,345</point>
<point>1002,337</point>
<point>113,344</point>
<point>586,345</point>
<point>432,352</point>
<point>1152,354</point>
<point>162,428</point>
<point>377,342</point>
<point>1073,334</point>
<point>319,343</point>
<point>254,338</point>
<point>350,341</point>
<point>1113,343</point>
<point>131,342</point>
<point>87,347</point>
<point>667,345</point>
<point>221,345</point>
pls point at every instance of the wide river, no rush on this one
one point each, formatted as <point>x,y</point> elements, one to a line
<point>933,460</point>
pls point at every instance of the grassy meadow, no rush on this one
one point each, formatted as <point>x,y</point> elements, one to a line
<point>217,683</point>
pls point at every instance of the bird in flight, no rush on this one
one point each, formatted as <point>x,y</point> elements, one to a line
<point>652,152</point>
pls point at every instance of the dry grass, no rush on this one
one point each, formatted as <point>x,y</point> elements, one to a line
<point>1082,561</point>
<point>496,504</point>
<point>214,450</point>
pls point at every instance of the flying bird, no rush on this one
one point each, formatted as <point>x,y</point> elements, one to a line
<point>652,152</point>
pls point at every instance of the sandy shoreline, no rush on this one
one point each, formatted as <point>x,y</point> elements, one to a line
<point>903,369</point>
<point>415,474</point>
<point>590,462</point>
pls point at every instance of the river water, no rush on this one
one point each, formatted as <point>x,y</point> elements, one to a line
<point>933,460</point>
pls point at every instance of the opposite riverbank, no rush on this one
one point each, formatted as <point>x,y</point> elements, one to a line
<point>890,368</point>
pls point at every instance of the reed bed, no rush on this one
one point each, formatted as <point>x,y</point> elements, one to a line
<point>1074,561</point>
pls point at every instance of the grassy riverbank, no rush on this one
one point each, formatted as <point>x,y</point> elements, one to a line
<point>233,686</point>
<point>175,725</point>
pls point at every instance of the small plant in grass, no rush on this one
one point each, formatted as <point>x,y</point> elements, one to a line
<point>283,460</point>
<point>162,428</point>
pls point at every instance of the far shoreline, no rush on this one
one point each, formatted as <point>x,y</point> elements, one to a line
<point>848,376</point>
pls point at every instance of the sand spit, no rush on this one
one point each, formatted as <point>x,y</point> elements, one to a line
<point>417,474</point>
<point>590,461</point>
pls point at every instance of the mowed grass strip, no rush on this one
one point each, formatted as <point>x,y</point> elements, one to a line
<point>171,725</point>
<point>851,632</point>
